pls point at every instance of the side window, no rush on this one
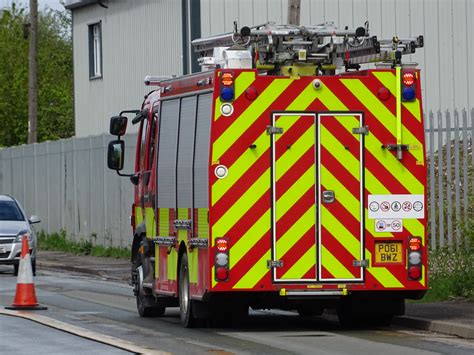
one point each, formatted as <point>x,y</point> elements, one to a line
<point>167,151</point>
<point>144,130</point>
<point>201,151</point>
<point>95,50</point>
<point>185,152</point>
<point>153,128</point>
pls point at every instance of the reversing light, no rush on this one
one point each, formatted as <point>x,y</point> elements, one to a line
<point>222,259</point>
<point>414,259</point>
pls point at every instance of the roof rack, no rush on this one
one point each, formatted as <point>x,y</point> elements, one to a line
<point>277,48</point>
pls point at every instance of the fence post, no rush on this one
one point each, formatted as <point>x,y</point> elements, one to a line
<point>440,180</point>
<point>449,181</point>
<point>457,178</point>
<point>464,165</point>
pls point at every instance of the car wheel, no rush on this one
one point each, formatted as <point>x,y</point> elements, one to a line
<point>147,306</point>
<point>15,269</point>
<point>185,303</point>
<point>33,266</point>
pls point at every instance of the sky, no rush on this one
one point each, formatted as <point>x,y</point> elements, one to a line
<point>54,4</point>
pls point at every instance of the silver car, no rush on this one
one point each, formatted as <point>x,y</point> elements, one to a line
<point>13,227</point>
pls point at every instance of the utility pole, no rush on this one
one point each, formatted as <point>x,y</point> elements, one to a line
<point>294,12</point>
<point>33,73</point>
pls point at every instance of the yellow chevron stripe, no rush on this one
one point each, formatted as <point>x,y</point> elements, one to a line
<point>382,274</point>
<point>371,142</point>
<point>164,227</point>
<point>150,223</point>
<point>334,266</point>
<point>245,120</point>
<point>301,267</point>
<point>138,215</point>
<point>256,272</point>
<point>295,232</point>
<point>388,79</point>
<point>294,193</point>
<point>247,241</point>
<point>240,207</point>
<point>242,82</point>
<point>258,188</point>
<point>380,111</point>
<point>203,223</point>
<point>340,233</point>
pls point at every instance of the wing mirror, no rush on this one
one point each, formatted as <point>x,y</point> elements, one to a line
<point>118,125</point>
<point>115,155</point>
<point>34,219</point>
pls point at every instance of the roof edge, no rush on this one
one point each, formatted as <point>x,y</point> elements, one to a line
<point>75,4</point>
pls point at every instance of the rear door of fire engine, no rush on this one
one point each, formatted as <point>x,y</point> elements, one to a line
<point>317,193</point>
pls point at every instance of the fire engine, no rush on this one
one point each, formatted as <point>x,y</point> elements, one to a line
<point>283,175</point>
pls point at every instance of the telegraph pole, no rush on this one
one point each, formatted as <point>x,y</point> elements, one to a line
<point>294,12</point>
<point>33,73</point>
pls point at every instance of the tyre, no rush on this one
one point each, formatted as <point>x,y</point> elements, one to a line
<point>185,304</point>
<point>147,305</point>
<point>33,266</point>
<point>15,269</point>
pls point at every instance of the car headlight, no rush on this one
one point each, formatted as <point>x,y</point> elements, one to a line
<point>20,235</point>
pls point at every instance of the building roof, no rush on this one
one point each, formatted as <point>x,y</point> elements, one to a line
<point>74,4</point>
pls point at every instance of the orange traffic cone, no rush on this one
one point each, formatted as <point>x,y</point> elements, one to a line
<point>25,297</point>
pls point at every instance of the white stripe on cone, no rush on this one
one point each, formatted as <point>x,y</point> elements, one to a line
<point>25,272</point>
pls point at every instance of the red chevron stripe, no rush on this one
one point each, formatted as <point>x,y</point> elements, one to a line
<point>371,163</point>
<point>376,128</point>
<point>242,142</point>
<point>339,252</point>
<point>306,242</point>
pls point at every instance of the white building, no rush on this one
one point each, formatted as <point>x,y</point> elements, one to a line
<point>118,42</point>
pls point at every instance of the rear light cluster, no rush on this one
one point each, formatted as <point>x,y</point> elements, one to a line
<point>408,86</point>
<point>221,259</point>
<point>414,258</point>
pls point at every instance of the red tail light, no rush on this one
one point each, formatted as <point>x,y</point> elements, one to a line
<point>414,272</point>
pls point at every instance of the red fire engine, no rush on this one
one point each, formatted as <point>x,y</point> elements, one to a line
<point>281,176</point>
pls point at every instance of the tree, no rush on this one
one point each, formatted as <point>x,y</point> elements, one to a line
<point>55,76</point>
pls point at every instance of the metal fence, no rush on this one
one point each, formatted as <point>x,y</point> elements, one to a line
<point>450,137</point>
<point>69,186</point>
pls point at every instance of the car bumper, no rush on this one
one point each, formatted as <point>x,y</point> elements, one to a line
<point>10,253</point>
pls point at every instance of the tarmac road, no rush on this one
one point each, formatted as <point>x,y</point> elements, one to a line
<point>107,309</point>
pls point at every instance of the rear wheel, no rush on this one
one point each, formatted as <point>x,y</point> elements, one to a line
<point>185,303</point>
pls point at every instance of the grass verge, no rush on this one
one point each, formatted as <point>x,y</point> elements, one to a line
<point>60,242</point>
<point>451,272</point>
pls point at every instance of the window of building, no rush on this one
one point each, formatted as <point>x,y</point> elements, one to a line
<point>95,50</point>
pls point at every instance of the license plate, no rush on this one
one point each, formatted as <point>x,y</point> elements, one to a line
<point>3,250</point>
<point>388,253</point>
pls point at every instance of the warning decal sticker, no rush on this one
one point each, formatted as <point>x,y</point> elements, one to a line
<point>396,207</point>
<point>389,225</point>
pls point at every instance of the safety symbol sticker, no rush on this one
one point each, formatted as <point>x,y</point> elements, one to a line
<point>397,207</point>
<point>418,206</point>
<point>374,206</point>
<point>385,206</point>
<point>407,206</point>
<point>389,225</point>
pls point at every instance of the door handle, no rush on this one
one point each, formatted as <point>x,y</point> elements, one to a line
<point>329,196</point>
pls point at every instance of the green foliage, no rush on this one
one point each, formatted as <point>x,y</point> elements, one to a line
<point>60,242</point>
<point>55,76</point>
<point>451,273</point>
